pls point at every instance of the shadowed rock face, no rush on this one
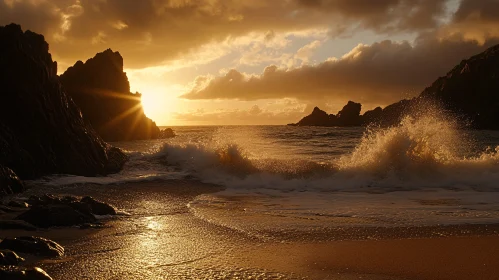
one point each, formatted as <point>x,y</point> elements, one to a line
<point>41,129</point>
<point>470,92</point>
<point>348,116</point>
<point>471,89</point>
<point>102,91</point>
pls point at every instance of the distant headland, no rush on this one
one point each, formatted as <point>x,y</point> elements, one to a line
<point>470,91</point>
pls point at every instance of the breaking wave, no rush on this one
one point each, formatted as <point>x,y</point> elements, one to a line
<point>420,152</point>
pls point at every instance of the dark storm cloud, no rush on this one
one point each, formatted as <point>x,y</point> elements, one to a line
<point>384,15</point>
<point>149,32</point>
<point>380,73</point>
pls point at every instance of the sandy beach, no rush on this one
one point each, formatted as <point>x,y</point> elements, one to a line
<point>160,238</point>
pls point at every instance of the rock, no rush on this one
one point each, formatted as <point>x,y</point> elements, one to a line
<point>98,207</point>
<point>102,91</point>
<point>468,92</point>
<point>45,199</point>
<point>9,209</point>
<point>33,245</point>
<point>11,272</point>
<point>18,204</point>
<point>16,224</point>
<point>55,215</point>
<point>316,118</point>
<point>9,182</point>
<point>42,131</point>
<point>8,257</point>
<point>167,133</point>
<point>349,115</point>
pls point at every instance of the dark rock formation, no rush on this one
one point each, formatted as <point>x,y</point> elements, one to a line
<point>16,224</point>
<point>9,182</point>
<point>471,89</point>
<point>348,116</point>
<point>33,245</point>
<point>10,272</point>
<point>57,215</point>
<point>41,129</point>
<point>102,91</point>
<point>50,211</point>
<point>470,92</point>
<point>167,133</point>
<point>8,257</point>
<point>18,204</point>
<point>98,207</point>
<point>316,118</point>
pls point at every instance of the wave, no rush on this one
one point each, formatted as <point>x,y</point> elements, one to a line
<point>427,151</point>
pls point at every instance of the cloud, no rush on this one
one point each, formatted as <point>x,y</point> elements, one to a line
<point>475,20</point>
<point>380,73</point>
<point>253,115</point>
<point>151,32</point>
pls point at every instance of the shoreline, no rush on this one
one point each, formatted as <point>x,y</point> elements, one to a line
<point>161,238</point>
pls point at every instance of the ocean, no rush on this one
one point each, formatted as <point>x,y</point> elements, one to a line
<point>423,172</point>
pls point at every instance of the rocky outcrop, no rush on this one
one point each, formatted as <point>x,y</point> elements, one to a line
<point>8,257</point>
<point>102,91</point>
<point>316,118</point>
<point>469,92</point>
<point>9,182</point>
<point>57,215</point>
<point>50,211</point>
<point>348,116</point>
<point>33,245</point>
<point>10,272</point>
<point>42,131</point>
<point>167,133</point>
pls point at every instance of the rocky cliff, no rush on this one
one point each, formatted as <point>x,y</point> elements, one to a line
<point>102,91</point>
<point>41,129</point>
<point>348,116</point>
<point>470,92</point>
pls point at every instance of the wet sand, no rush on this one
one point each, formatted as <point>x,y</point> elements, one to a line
<point>160,238</point>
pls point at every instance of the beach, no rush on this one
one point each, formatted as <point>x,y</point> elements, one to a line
<point>157,236</point>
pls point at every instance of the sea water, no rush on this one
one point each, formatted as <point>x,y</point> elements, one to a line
<point>424,171</point>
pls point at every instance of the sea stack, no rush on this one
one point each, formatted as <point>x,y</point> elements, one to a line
<point>42,131</point>
<point>102,91</point>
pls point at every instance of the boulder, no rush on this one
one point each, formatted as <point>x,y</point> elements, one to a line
<point>16,224</point>
<point>167,133</point>
<point>8,257</point>
<point>9,182</point>
<point>102,91</point>
<point>10,272</point>
<point>33,245</point>
<point>42,130</point>
<point>53,215</point>
<point>98,207</point>
<point>18,204</point>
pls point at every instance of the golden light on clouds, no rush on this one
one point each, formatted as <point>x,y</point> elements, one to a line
<point>212,61</point>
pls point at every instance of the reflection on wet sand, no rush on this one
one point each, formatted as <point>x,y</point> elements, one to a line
<point>162,239</point>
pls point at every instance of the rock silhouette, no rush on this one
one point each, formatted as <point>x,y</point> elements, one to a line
<point>348,116</point>
<point>41,129</point>
<point>102,91</point>
<point>469,92</point>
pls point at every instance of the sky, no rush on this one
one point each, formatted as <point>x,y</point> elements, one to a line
<point>260,62</point>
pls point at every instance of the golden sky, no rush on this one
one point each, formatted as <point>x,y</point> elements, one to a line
<point>203,62</point>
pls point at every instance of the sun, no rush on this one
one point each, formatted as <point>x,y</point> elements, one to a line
<point>157,106</point>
